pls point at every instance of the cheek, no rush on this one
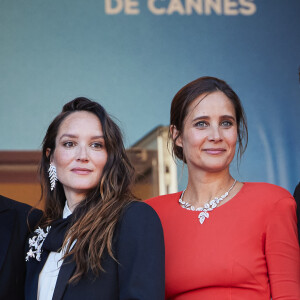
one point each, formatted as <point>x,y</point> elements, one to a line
<point>62,157</point>
<point>194,137</point>
<point>198,138</point>
<point>232,139</point>
<point>100,161</point>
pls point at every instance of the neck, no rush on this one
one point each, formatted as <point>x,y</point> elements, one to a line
<point>203,187</point>
<point>73,199</point>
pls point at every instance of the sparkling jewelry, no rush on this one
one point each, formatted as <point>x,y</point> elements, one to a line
<point>36,243</point>
<point>52,176</point>
<point>209,206</point>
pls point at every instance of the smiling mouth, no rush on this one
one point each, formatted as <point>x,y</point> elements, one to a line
<point>81,171</point>
<point>214,151</point>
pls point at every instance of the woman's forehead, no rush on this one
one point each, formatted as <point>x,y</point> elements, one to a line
<point>211,103</point>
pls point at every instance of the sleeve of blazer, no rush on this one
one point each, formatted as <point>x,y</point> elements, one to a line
<point>140,253</point>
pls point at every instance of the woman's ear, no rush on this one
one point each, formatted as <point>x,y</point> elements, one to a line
<point>48,151</point>
<point>176,136</point>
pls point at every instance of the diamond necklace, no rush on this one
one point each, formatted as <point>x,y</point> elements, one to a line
<point>208,206</point>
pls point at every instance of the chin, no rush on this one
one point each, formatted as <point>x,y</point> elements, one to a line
<point>83,187</point>
<point>216,168</point>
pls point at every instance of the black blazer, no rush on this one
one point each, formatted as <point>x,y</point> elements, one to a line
<point>13,234</point>
<point>138,274</point>
<point>297,198</point>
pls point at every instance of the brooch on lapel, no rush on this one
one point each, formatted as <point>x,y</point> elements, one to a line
<point>36,243</point>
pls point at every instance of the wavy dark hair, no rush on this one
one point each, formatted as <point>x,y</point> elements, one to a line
<point>186,95</point>
<point>97,215</point>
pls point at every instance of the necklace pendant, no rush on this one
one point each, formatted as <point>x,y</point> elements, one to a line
<point>202,216</point>
<point>209,206</point>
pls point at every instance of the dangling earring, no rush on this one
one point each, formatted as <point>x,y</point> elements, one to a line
<point>52,176</point>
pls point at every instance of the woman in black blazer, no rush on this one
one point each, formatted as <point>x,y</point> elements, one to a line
<point>95,240</point>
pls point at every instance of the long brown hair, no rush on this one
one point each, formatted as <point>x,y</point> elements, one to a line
<point>186,95</point>
<point>97,215</point>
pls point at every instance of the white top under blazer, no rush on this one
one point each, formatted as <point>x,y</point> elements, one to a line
<point>49,273</point>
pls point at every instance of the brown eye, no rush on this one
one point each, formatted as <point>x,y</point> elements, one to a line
<point>69,144</point>
<point>97,145</point>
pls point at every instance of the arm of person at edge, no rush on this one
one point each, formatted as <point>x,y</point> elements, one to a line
<point>297,198</point>
<point>17,221</point>
<point>141,254</point>
<point>282,250</point>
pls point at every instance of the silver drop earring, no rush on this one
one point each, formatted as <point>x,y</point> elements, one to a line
<point>52,176</point>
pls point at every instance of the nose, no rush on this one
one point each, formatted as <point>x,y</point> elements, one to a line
<point>82,154</point>
<point>215,134</point>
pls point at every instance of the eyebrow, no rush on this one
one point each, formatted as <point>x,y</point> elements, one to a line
<point>75,136</point>
<point>228,117</point>
<point>207,117</point>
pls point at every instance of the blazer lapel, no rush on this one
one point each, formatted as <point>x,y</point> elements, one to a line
<point>7,219</point>
<point>64,275</point>
<point>33,269</point>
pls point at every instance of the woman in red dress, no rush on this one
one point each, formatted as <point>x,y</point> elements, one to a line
<point>224,239</point>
